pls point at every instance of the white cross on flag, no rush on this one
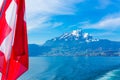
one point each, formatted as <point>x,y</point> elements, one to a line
<point>13,39</point>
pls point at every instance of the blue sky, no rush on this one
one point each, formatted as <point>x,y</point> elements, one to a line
<point>47,19</point>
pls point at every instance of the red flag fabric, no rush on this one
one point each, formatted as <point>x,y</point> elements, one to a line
<point>13,39</point>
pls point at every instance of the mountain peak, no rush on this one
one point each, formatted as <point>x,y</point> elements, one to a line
<point>85,35</point>
<point>76,35</point>
<point>76,32</point>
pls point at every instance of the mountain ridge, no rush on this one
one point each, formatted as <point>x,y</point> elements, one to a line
<point>77,43</point>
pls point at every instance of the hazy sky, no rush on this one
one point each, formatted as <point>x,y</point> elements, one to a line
<point>50,18</point>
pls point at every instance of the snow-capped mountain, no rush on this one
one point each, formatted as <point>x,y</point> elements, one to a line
<point>77,35</point>
<point>76,42</point>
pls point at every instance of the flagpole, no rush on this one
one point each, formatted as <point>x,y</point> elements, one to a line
<point>7,69</point>
<point>5,76</point>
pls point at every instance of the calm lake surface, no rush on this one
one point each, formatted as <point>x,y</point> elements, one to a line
<point>73,68</point>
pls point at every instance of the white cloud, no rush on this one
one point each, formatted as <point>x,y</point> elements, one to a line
<point>38,22</point>
<point>110,22</point>
<point>39,12</point>
<point>51,6</point>
<point>57,24</point>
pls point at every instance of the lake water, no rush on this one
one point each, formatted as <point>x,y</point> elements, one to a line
<point>73,68</point>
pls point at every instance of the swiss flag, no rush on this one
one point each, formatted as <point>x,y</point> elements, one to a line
<point>13,39</point>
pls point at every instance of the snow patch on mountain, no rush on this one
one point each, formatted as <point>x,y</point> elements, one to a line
<point>85,35</point>
<point>76,33</point>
